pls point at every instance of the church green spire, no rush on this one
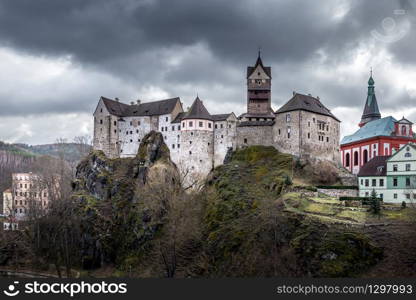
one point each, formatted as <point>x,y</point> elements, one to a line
<point>371,111</point>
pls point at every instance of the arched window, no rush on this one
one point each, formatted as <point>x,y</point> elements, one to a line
<point>365,156</point>
<point>404,130</point>
<point>355,158</point>
<point>347,160</point>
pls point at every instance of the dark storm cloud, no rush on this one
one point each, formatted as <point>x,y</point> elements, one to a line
<point>132,40</point>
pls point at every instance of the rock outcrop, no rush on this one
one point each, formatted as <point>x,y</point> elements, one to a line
<point>108,191</point>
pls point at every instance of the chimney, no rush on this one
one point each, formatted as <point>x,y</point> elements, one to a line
<point>139,101</point>
<point>117,99</point>
<point>132,102</point>
<point>317,97</point>
<point>294,93</point>
<point>310,95</point>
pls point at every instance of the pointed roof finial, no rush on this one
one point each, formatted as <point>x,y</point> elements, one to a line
<point>259,51</point>
<point>371,71</point>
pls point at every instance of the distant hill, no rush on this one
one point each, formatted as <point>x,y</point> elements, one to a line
<point>22,157</point>
<point>72,152</point>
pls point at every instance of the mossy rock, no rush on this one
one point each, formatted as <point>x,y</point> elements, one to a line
<point>328,252</point>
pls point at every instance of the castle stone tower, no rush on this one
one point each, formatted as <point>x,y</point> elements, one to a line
<point>259,89</point>
<point>197,142</point>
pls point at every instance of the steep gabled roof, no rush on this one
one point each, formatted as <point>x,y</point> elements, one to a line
<point>375,167</point>
<point>115,107</point>
<point>380,127</point>
<point>404,121</point>
<point>178,118</point>
<point>307,103</point>
<point>220,117</point>
<point>267,70</point>
<point>197,111</point>
<point>154,108</point>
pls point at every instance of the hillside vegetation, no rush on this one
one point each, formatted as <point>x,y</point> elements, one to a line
<point>256,216</point>
<point>239,225</point>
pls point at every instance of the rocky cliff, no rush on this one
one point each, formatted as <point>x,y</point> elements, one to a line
<point>137,218</point>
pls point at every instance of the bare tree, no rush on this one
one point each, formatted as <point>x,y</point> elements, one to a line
<point>179,213</point>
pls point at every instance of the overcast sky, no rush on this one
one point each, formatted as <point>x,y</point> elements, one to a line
<point>57,57</point>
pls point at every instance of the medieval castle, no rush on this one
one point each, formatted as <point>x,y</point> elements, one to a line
<point>199,141</point>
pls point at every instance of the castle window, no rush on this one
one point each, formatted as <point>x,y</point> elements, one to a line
<point>216,126</point>
<point>190,152</point>
<point>179,145</point>
<point>209,125</point>
<point>395,181</point>
<point>101,110</point>
<point>209,144</point>
<point>222,125</point>
<point>327,139</point>
<point>313,120</point>
<point>279,131</point>
<point>131,132</point>
<point>137,130</point>
<point>190,124</point>
<point>162,128</point>
<point>166,128</point>
<point>309,124</point>
<point>287,118</point>
<point>229,126</point>
<point>138,123</point>
<point>101,121</point>
<point>395,168</point>
<point>407,181</point>
<point>192,133</point>
<point>165,137</point>
<point>327,128</point>
<point>138,140</point>
<point>381,182</point>
<point>309,135</point>
<point>395,196</point>
<point>404,130</point>
<point>115,131</point>
<point>127,132</point>
<point>407,167</point>
<point>167,119</point>
<point>179,127</point>
<point>355,158</point>
<point>131,141</point>
<point>173,128</point>
<point>190,142</point>
<point>245,141</point>
<point>115,123</point>
<point>183,124</point>
<point>367,182</point>
<point>173,146</point>
<point>374,182</point>
<point>131,123</point>
<point>201,124</point>
<point>222,136</point>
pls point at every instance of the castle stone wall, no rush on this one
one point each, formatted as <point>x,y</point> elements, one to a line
<point>254,135</point>
<point>304,133</point>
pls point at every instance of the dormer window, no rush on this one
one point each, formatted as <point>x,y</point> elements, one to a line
<point>404,131</point>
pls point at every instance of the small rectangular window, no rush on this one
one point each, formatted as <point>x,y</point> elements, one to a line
<point>394,181</point>
<point>381,182</point>
<point>201,124</point>
<point>191,124</point>
<point>373,182</point>
<point>407,167</point>
<point>395,168</point>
